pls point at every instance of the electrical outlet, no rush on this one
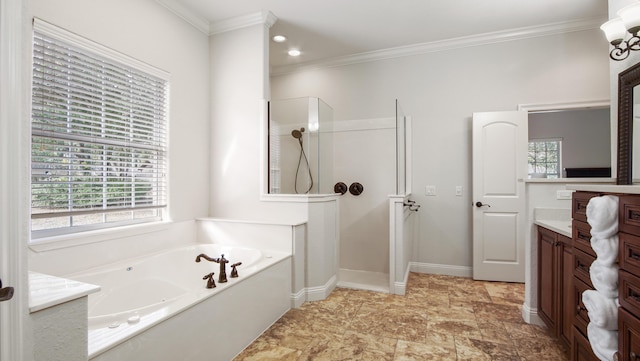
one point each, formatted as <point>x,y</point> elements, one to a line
<point>563,194</point>
<point>430,190</point>
<point>458,191</point>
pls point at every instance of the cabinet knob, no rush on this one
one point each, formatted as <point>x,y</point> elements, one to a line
<point>633,356</point>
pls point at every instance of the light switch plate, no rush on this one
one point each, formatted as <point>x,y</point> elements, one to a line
<point>430,190</point>
<point>458,191</point>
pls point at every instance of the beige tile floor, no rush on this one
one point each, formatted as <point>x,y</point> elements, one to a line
<point>440,318</point>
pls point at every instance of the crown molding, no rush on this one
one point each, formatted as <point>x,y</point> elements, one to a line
<point>443,45</point>
<point>262,17</point>
<point>186,14</point>
<point>210,28</point>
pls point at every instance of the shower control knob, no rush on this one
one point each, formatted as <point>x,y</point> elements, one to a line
<point>356,188</point>
<point>340,187</point>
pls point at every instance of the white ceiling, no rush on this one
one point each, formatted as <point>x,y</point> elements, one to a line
<point>328,29</point>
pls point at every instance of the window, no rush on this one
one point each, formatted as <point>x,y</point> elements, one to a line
<point>544,158</point>
<point>98,152</point>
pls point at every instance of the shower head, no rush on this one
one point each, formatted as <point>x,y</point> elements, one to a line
<point>297,133</point>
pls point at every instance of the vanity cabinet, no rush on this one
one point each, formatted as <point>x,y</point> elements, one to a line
<point>555,287</point>
<point>629,279</point>
<point>583,257</point>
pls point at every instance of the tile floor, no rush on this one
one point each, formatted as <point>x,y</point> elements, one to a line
<point>440,318</point>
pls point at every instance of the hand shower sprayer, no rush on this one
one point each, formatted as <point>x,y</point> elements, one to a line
<point>297,134</point>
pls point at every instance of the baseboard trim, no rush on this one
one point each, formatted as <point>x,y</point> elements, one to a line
<point>530,315</point>
<point>298,298</point>
<point>441,269</point>
<point>319,293</point>
<point>400,288</point>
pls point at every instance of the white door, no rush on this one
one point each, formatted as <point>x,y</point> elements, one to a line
<point>499,169</point>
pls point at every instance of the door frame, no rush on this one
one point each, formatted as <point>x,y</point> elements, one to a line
<point>530,306</point>
<point>15,334</point>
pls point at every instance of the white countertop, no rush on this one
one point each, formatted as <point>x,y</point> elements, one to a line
<point>562,227</point>
<point>605,188</point>
<point>46,291</point>
<point>554,219</point>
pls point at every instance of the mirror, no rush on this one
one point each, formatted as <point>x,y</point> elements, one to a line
<point>570,143</point>
<point>628,80</point>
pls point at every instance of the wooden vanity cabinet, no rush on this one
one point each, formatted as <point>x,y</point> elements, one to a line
<point>555,287</point>
<point>583,256</point>
<point>629,279</point>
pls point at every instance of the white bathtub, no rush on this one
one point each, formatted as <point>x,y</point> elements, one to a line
<point>156,307</point>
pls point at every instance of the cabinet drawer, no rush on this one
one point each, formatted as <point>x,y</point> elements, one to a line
<point>628,336</point>
<point>629,289</point>
<point>581,348</point>
<point>581,264</point>
<point>581,316</point>
<point>579,202</point>
<point>581,232</point>
<point>629,216</point>
<point>629,253</point>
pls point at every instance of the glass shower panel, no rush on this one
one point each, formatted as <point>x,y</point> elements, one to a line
<point>325,148</point>
<point>401,156</point>
<point>297,146</point>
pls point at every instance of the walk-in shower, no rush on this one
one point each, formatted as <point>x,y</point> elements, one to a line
<point>310,152</point>
<point>300,146</point>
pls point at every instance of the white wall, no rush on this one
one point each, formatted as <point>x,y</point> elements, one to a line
<point>239,86</point>
<point>366,156</point>
<point>440,91</point>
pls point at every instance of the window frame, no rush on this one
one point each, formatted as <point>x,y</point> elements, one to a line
<point>160,139</point>
<point>559,155</point>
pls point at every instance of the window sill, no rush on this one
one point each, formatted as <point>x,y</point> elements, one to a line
<point>82,238</point>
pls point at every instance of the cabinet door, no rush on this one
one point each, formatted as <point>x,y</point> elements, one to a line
<point>548,278</point>
<point>581,349</point>
<point>566,297</point>
<point>629,336</point>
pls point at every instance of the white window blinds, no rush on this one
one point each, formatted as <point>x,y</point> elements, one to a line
<point>98,155</point>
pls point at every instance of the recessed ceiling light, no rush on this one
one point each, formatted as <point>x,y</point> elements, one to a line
<point>279,38</point>
<point>294,52</point>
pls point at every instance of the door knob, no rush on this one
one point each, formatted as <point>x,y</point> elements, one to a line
<point>6,293</point>
<point>480,204</point>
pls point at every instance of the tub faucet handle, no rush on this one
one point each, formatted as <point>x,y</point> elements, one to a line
<point>210,282</point>
<point>222,277</point>
<point>234,271</point>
